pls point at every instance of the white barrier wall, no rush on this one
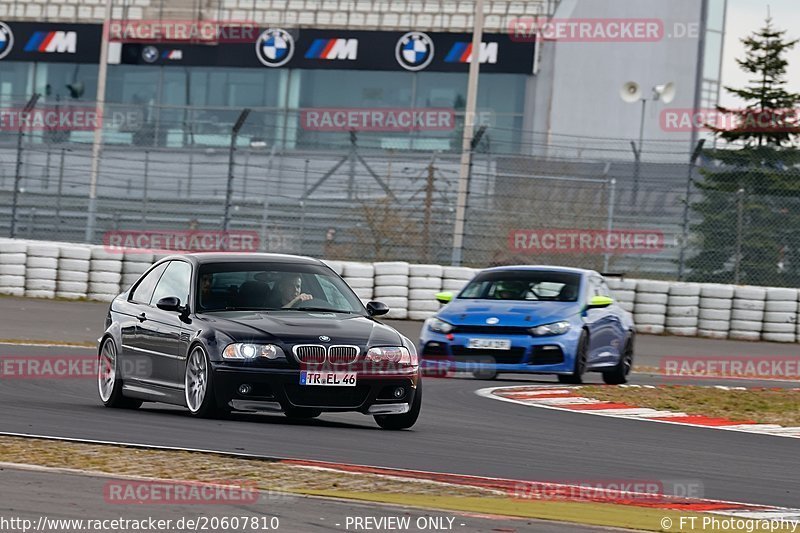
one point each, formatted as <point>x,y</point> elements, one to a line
<point>75,271</point>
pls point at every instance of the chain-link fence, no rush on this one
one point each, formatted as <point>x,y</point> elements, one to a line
<point>392,195</point>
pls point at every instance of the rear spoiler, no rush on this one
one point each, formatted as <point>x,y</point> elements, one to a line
<point>613,274</point>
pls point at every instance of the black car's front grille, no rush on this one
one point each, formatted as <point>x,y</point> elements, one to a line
<point>492,330</point>
<point>310,353</point>
<point>342,355</point>
<point>310,396</point>
<point>546,355</point>
<point>462,354</point>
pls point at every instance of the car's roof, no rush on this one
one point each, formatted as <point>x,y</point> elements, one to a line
<point>540,268</point>
<point>223,257</point>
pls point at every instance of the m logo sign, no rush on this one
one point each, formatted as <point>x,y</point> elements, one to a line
<point>333,49</point>
<point>49,42</point>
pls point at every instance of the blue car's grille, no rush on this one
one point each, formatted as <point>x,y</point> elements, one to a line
<point>500,357</point>
<point>492,330</point>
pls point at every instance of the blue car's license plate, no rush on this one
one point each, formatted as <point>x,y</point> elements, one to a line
<point>489,344</point>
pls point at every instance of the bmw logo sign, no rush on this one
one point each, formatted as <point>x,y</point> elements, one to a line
<point>6,40</point>
<point>414,50</point>
<point>324,338</point>
<point>150,54</point>
<point>274,47</point>
<point>492,320</point>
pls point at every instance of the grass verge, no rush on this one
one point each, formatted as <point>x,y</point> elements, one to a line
<point>766,406</point>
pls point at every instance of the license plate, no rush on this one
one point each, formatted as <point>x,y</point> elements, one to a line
<point>489,344</point>
<point>328,379</point>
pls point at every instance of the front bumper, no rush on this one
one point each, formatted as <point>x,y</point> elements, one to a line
<point>280,389</point>
<point>440,353</point>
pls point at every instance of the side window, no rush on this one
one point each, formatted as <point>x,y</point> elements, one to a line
<point>332,294</point>
<point>143,292</point>
<point>175,282</point>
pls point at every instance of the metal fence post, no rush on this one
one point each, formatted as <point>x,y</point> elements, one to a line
<point>612,189</point>
<point>18,174</point>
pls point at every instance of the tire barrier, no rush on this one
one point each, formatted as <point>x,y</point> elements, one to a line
<point>77,271</point>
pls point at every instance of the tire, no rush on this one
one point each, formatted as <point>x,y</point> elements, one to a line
<point>391,290</point>
<point>746,325</point>
<point>72,286</point>
<point>302,413</point>
<point>336,266</point>
<point>453,285</point>
<point>619,374</point>
<point>406,420</point>
<point>42,250</point>
<point>780,318</point>
<point>12,270</point>
<point>713,290</point>
<point>391,268</point>
<point>687,331</point>
<point>648,319</point>
<point>83,253</point>
<point>738,335</point>
<point>576,378</point>
<point>12,259</point>
<point>358,270</point>
<point>365,293</point>
<point>109,383</point>
<point>79,265</point>
<point>780,307</point>
<point>106,265</point>
<point>397,314</point>
<point>198,385</point>
<point>391,280</point>
<point>422,271</point>
<point>422,294</point>
<point>13,247</point>
<point>419,315</point>
<point>12,291</point>
<point>73,275</point>
<point>649,309</point>
<point>684,289</point>
<point>360,283</point>
<point>40,284</point>
<point>487,374</point>
<point>430,306</point>
<point>778,294</point>
<point>104,288</point>
<point>683,301</point>
<point>750,305</point>
<point>100,252</point>
<point>650,329</point>
<point>747,314</point>
<point>651,298</point>
<point>434,284</point>
<point>394,302</point>
<point>105,277</point>
<point>715,314</point>
<point>681,322</point>
<point>715,303</point>
<point>41,273</point>
<point>460,273</point>
<point>33,261</point>
<point>647,285</point>
<point>750,293</point>
<point>623,295</point>
<point>682,312</point>
<point>620,284</point>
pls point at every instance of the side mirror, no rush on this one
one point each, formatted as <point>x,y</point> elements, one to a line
<point>444,297</point>
<point>170,303</point>
<point>377,308</point>
<point>598,302</point>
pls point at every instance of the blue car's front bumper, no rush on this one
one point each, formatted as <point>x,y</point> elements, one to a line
<point>528,354</point>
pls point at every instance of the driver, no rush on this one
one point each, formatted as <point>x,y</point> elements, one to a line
<point>290,291</point>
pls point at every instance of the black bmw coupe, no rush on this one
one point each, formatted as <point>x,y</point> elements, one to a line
<point>222,332</point>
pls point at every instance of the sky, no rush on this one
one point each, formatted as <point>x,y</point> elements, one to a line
<point>745,16</point>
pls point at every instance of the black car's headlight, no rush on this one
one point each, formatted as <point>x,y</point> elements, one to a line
<point>555,328</point>
<point>439,326</point>
<point>399,355</point>
<point>242,350</point>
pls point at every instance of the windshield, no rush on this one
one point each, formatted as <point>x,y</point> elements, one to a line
<point>524,285</point>
<point>273,287</point>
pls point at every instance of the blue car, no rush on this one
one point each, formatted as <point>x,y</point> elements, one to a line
<point>533,320</point>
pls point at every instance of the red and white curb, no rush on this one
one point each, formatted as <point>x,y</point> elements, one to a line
<point>569,399</point>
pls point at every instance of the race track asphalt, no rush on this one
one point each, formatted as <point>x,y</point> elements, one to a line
<point>458,431</point>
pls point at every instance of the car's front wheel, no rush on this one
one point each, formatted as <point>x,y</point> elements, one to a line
<point>199,385</point>
<point>406,420</point>
<point>581,355</point>
<point>109,382</point>
<point>619,374</point>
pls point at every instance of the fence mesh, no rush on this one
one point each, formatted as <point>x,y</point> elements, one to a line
<point>392,196</point>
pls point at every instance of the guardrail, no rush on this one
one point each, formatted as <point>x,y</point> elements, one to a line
<point>43,269</point>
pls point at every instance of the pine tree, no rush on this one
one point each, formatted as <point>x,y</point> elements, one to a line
<point>750,229</point>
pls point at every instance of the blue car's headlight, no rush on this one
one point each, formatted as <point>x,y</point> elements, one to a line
<point>556,328</point>
<point>438,326</point>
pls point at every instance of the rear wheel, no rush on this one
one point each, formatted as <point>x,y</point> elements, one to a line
<point>619,374</point>
<point>576,378</point>
<point>487,374</point>
<point>406,420</point>
<point>109,384</point>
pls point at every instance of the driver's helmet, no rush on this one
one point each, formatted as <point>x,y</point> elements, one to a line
<point>510,289</point>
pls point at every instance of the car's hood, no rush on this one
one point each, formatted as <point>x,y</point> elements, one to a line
<point>463,312</point>
<point>293,327</point>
